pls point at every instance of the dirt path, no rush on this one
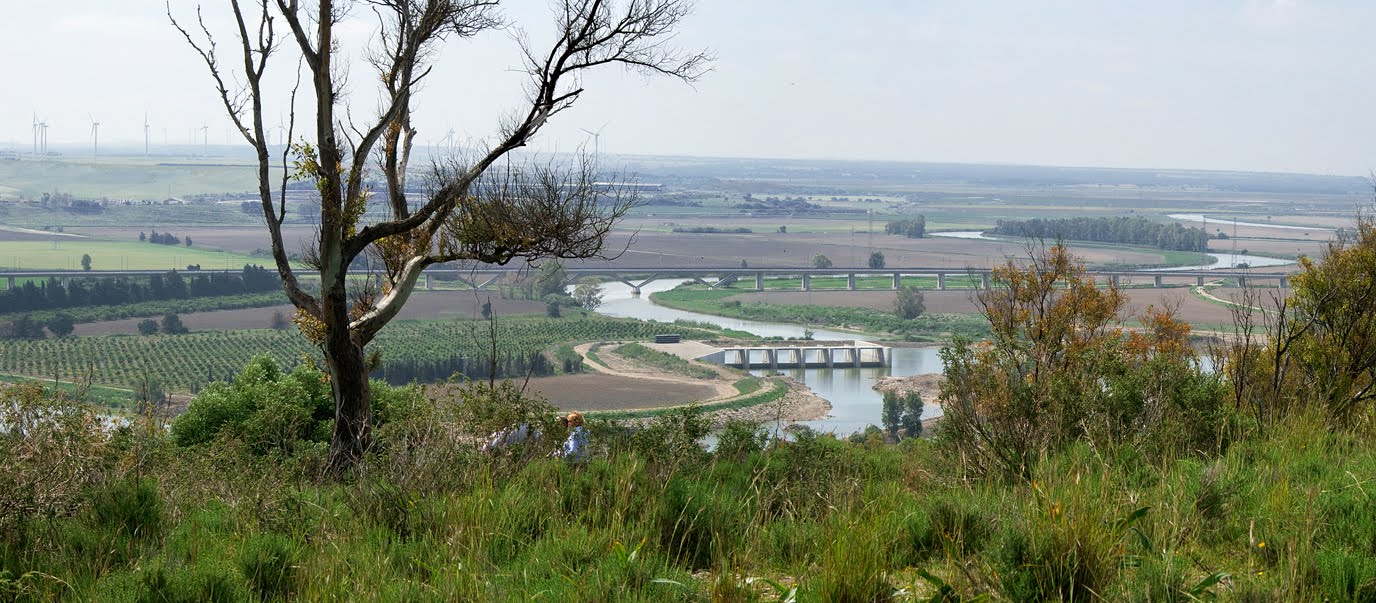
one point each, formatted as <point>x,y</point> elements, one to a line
<point>616,365</point>
<point>797,404</point>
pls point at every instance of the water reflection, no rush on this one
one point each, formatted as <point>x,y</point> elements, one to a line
<point>854,402</point>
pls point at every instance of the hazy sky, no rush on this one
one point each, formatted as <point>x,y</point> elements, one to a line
<point>1266,85</point>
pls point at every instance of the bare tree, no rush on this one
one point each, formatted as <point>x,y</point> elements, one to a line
<point>486,209</point>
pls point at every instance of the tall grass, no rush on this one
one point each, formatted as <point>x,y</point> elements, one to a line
<point>653,517</point>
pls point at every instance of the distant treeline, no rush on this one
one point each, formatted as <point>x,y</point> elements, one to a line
<point>163,238</point>
<point>711,230</point>
<point>915,228</point>
<point>1128,231</point>
<point>112,291</point>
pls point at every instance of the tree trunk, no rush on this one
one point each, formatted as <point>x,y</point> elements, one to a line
<point>352,401</point>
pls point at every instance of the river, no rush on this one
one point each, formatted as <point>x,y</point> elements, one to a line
<point>1200,219</point>
<point>854,403</point>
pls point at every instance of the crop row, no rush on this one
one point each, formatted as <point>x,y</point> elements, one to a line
<point>185,362</point>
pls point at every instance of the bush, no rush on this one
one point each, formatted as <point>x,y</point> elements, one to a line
<point>907,303</point>
<point>739,439</point>
<point>172,324</point>
<point>62,324</point>
<point>263,407</point>
<point>148,326</point>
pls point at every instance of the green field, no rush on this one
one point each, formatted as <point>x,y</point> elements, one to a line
<point>115,255</point>
<point>97,395</point>
<point>183,361</point>
<point>123,178</point>
<point>870,322</point>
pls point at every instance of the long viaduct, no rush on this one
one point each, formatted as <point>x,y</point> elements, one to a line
<point>637,277</point>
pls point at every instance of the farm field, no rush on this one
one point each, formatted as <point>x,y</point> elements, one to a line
<point>244,239</point>
<point>182,362</point>
<point>596,391</point>
<point>115,255</point>
<point>1193,308</point>
<point>124,177</point>
<point>423,305</point>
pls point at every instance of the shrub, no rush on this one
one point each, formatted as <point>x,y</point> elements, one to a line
<point>739,439</point>
<point>172,324</point>
<point>263,407</point>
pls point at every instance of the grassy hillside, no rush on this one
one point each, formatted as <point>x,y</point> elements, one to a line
<point>652,517</point>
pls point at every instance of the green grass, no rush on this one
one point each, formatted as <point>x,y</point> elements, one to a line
<point>664,361</point>
<point>594,357</point>
<point>124,178</point>
<point>652,517</point>
<point>115,255</point>
<point>97,395</point>
<point>927,327</point>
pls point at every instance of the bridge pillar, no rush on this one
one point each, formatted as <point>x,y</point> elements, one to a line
<point>1242,281</point>
<point>1113,279</point>
<point>941,281</point>
<point>10,283</point>
<point>1158,281</point>
<point>897,280</point>
<point>759,281</point>
<point>635,291</point>
<point>850,282</point>
<point>1199,281</point>
<point>984,281</point>
<point>807,282</point>
<point>772,355</point>
<point>429,283</point>
<point>1284,282</point>
<point>854,354</point>
<point>830,356</point>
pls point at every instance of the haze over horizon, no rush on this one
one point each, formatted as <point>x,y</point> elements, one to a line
<point>1238,85</point>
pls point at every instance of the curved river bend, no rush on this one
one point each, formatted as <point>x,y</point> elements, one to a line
<point>854,403</point>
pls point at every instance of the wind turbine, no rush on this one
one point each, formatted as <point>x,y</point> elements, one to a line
<point>146,128</point>
<point>205,139</point>
<point>95,135</point>
<point>35,133</point>
<point>43,137</point>
<point>596,138</point>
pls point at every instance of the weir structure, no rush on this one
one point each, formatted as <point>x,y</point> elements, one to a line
<point>804,354</point>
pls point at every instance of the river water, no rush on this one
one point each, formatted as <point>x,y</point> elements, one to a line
<point>854,403</point>
<point>1199,218</point>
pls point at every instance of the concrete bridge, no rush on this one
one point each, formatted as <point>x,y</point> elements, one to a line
<point>638,277</point>
<point>851,354</point>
